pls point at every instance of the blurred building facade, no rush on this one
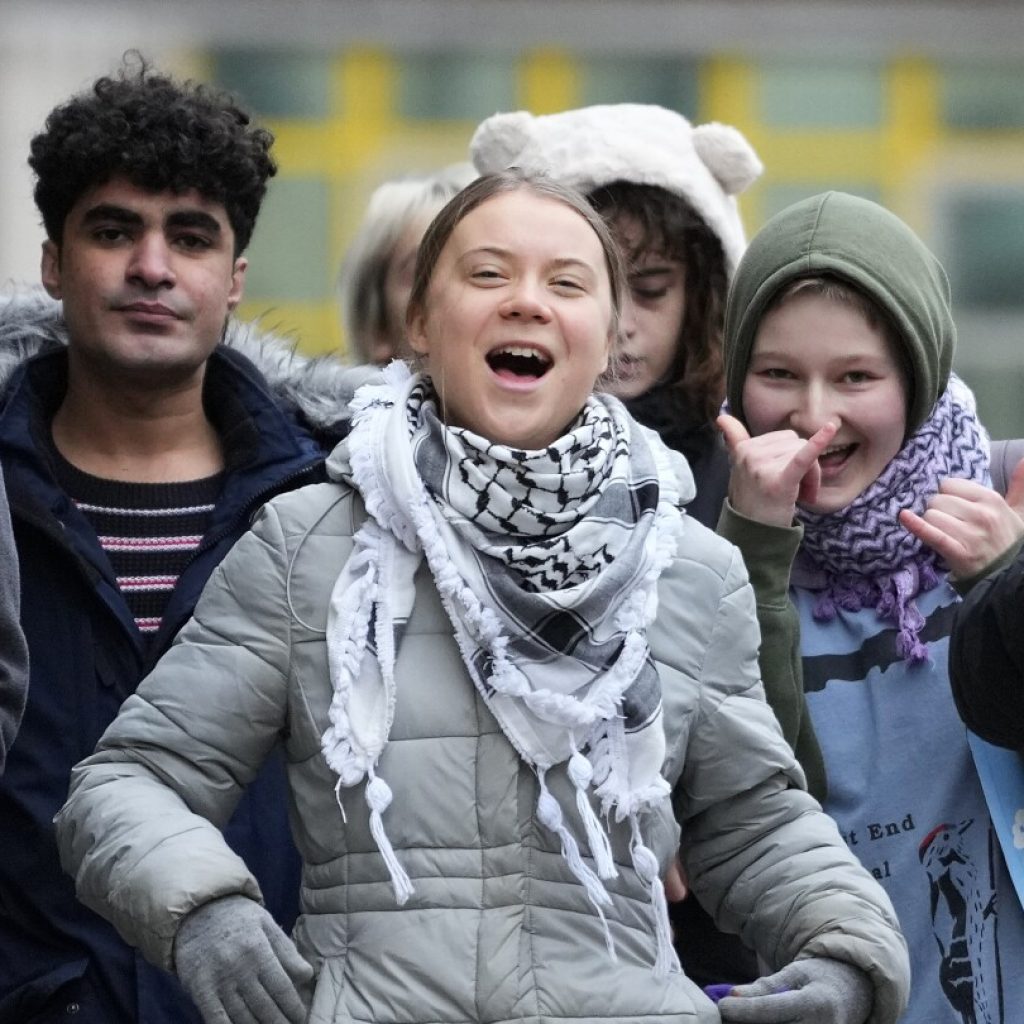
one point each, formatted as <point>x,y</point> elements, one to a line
<point>917,105</point>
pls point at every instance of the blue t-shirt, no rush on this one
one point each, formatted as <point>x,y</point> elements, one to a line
<point>905,793</point>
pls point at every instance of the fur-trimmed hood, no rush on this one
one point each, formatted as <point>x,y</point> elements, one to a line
<point>320,387</point>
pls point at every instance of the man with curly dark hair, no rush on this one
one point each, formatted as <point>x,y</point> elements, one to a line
<point>137,439</point>
<point>161,137</point>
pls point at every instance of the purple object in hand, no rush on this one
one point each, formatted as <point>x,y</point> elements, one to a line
<point>716,992</point>
<point>722,989</point>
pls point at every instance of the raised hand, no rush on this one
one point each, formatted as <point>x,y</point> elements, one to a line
<point>970,525</point>
<point>772,472</point>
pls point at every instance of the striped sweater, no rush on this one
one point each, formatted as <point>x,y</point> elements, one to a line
<point>149,531</point>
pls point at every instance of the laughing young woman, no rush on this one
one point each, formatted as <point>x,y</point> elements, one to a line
<point>503,666</point>
<point>854,448</point>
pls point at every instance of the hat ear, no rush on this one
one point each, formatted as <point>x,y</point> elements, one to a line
<point>727,155</point>
<point>498,141</point>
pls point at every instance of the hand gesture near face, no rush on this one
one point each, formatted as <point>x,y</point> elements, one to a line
<point>773,471</point>
<point>969,524</point>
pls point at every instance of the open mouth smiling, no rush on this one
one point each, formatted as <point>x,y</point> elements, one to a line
<point>519,363</point>
<point>834,457</point>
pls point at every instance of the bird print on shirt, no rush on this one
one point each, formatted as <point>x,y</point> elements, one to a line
<point>964,922</point>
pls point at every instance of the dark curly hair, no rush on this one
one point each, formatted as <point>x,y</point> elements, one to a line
<point>161,135</point>
<point>669,226</point>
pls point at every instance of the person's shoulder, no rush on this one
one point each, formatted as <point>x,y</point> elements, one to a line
<point>30,323</point>
<point>702,550</point>
<point>318,387</point>
<point>1004,457</point>
<point>705,627</point>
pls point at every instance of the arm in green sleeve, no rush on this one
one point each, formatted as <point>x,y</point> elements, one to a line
<point>768,552</point>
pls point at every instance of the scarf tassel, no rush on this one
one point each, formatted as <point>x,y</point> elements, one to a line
<point>905,585</point>
<point>893,598</point>
<point>550,815</point>
<point>344,655</point>
<point>646,866</point>
<point>609,758</point>
<point>378,798</point>
<point>581,772</point>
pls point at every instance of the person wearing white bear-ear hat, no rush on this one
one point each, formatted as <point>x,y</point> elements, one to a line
<point>668,190</point>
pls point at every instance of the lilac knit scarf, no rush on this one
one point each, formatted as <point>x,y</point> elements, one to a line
<point>865,554</point>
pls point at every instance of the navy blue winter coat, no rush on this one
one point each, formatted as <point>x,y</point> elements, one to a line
<point>58,960</point>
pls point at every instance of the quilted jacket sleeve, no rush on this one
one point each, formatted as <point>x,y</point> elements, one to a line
<point>140,830</point>
<point>760,854</point>
<point>986,657</point>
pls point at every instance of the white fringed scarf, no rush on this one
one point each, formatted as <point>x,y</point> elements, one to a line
<point>547,564</point>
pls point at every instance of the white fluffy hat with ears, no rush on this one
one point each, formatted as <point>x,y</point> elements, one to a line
<point>708,165</point>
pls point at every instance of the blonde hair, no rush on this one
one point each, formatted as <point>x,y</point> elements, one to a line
<point>392,207</point>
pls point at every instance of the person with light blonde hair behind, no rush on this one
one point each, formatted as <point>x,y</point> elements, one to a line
<point>376,275</point>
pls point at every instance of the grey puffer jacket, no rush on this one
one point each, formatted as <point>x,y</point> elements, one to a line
<point>497,929</point>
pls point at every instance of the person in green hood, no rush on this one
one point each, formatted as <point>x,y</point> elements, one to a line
<point>852,444</point>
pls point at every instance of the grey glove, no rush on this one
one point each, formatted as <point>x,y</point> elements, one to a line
<point>815,991</point>
<point>239,967</point>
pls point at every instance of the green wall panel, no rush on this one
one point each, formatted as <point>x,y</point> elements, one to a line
<point>456,86</point>
<point>983,96</point>
<point>778,197</point>
<point>277,83</point>
<point>826,95</point>
<point>986,260</point>
<point>668,81</point>
<point>288,257</point>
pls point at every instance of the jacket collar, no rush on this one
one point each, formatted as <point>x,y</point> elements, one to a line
<point>264,439</point>
<point>266,451</point>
